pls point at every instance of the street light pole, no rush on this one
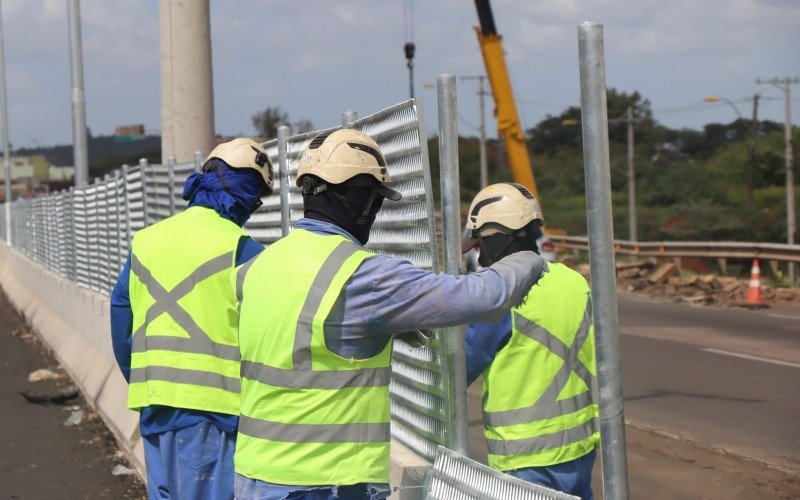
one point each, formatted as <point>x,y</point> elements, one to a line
<point>6,148</point>
<point>751,147</point>
<point>79,143</point>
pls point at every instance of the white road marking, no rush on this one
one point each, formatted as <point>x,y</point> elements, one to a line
<point>782,316</point>
<point>753,358</point>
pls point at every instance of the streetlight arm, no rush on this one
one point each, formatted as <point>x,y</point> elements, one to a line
<point>713,98</point>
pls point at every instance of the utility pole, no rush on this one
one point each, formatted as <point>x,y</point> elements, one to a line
<point>79,143</point>
<point>791,221</point>
<point>751,170</point>
<point>6,148</point>
<point>632,222</point>
<point>632,219</point>
<point>482,128</point>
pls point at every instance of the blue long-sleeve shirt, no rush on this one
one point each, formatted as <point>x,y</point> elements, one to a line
<point>483,342</point>
<point>387,295</point>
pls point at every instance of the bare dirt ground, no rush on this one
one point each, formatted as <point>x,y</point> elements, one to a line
<point>664,465</point>
<point>667,281</point>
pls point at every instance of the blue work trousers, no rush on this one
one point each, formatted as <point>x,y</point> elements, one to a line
<point>194,463</point>
<point>253,489</point>
<point>573,477</point>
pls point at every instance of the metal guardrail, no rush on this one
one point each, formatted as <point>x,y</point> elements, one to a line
<point>84,235</point>
<point>456,477</point>
<point>704,249</point>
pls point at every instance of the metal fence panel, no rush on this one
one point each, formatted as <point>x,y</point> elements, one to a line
<point>265,224</point>
<point>404,229</point>
<point>456,477</point>
<point>84,234</point>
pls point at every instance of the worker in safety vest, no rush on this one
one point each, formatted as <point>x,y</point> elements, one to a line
<point>317,315</point>
<point>538,361</point>
<point>173,325</point>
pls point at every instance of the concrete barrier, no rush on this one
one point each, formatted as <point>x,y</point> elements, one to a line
<point>74,323</point>
<point>407,473</point>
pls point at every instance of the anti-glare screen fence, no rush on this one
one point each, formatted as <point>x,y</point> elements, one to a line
<point>84,235</point>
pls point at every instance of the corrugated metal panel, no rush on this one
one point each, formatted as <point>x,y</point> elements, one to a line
<point>84,234</point>
<point>404,229</point>
<point>456,477</point>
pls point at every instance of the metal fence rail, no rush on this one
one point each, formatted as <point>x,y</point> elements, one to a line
<point>456,477</point>
<point>704,249</point>
<point>84,235</point>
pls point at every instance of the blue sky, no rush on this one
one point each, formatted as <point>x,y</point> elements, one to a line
<point>316,58</point>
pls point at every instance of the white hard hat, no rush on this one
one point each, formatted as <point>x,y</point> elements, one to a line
<point>507,204</point>
<point>339,156</point>
<point>245,153</point>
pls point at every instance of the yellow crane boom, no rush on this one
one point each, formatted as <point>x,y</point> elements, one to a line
<point>508,124</point>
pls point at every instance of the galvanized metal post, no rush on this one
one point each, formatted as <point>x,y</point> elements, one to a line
<point>597,168</point>
<point>127,197</point>
<point>198,161</point>
<point>451,340</point>
<point>79,143</point>
<point>283,170</point>
<point>122,205</point>
<point>348,117</point>
<point>143,172</point>
<point>171,184</point>
<point>9,195</point>
<point>73,272</point>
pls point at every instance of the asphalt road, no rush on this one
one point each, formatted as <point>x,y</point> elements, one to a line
<point>725,378</point>
<point>703,388</point>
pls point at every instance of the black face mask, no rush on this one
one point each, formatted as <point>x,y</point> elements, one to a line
<point>499,245</point>
<point>330,206</point>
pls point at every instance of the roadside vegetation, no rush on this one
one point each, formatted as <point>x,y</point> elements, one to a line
<point>691,184</point>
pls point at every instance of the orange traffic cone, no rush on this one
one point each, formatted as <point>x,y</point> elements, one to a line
<point>754,296</point>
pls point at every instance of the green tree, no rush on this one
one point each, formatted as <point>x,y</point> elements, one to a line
<point>266,122</point>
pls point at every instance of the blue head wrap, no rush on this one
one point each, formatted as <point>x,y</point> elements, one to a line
<point>231,192</point>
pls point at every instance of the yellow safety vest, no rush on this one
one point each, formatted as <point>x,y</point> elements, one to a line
<point>184,314</point>
<point>309,417</point>
<point>538,404</point>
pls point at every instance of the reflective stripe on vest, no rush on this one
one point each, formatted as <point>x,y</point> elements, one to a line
<point>183,344</point>
<point>542,442</point>
<point>548,406</point>
<point>167,303</point>
<point>526,424</point>
<point>309,417</point>
<point>314,433</point>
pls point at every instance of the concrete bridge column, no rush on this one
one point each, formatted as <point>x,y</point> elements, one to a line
<point>187,90</point>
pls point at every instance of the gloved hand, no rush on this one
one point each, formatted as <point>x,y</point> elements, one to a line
<point>416,338</point>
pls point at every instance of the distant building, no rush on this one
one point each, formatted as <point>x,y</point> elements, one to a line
<point>31,175</point>
<point>124,133</point>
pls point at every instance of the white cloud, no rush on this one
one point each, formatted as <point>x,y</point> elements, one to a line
<point>315,58</point>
